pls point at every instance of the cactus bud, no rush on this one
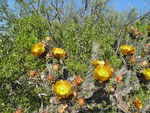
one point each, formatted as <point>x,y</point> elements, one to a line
<point>55,67</point>
<point>81,101</point>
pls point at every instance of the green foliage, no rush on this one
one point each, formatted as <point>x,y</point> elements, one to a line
<point>25,33</point>
<point>74,31</point>
<point>17,60</point>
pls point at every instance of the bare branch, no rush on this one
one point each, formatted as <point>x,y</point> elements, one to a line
<point>141,18</point>
<point>39,2</point>
<point>32,5</point>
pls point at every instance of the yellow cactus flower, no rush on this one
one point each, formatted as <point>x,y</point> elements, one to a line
<point>146,73</point>
<point>37,49</point>
<point>127,50</point>
<point>138,103</point>
<point>148,28</point>
<point>102,73</point>
<point>98,62</point>
<point>62,89</point>
<point>58,53</point>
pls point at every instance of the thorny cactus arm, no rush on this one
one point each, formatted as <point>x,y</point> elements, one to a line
<point>128,87</point>
<point>95,51</point>
<point>116,98</point>
<point>91,87</point>
<point>94,95</point>
<point>146,107</point>
<point>89,79</point>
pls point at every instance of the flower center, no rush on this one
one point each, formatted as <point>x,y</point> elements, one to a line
<point>36,49</point>
<point>148,73</point>
<point>62,90</point>
<point>102,72</point>
<point>59,52</point>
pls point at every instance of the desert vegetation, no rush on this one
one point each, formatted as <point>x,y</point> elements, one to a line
<point>59,57</point>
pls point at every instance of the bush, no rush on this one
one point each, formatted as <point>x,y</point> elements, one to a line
<point>26,81</point>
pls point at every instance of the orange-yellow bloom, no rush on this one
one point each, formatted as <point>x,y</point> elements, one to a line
<point>37,49</point>
<point>102,73</point>
<point>98,62</point>
<point>127,50</point>
<point>62,89</point>
<point>58,53</point>
<point>138,103</point>
<point>148,27</point>
<point>146,73</point>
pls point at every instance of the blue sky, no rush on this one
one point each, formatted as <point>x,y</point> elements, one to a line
<point>120,5</point>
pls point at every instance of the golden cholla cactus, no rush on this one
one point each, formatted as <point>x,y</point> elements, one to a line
<point>146,73</point>
<point>37,49</point>
<point>102,73</point>
<point>98,62</point>
<point>58,53</point>
<point>138,103</point>
<point>62,89</point>
<point>127,50</point>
